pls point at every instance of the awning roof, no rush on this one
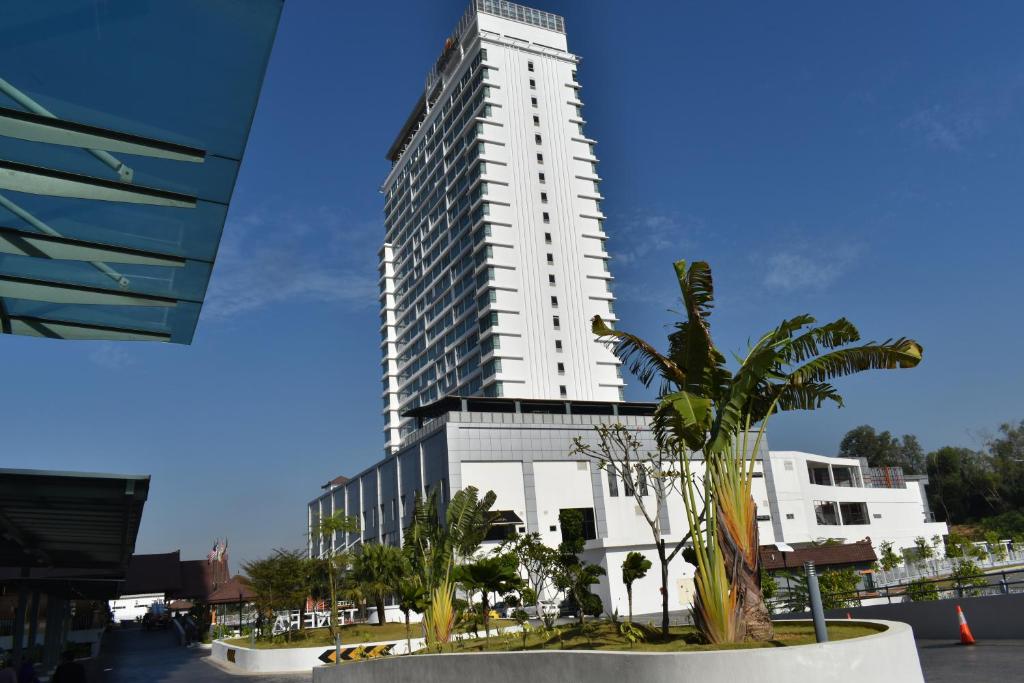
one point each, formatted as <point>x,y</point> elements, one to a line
<point>122,129</point>
<point>234,590</point>
<point>70,520</point>
<point>859,552</point>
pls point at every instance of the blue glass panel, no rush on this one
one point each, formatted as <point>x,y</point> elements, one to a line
<point>187,283</point>
<point>211,180</point>
<point>184,71</point>
<point>192,233</point>
<point>181,72</point>
<point>178,322</point>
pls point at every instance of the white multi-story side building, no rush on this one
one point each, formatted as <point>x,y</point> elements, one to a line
<point>494,257</point>
<point>816,497</point>
<point>521,450</point>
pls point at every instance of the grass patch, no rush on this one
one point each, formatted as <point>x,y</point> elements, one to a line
<point>352,634</point>
<point>605,636</point>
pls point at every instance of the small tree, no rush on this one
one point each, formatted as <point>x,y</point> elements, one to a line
<point>968,575</point>
<point>889,560</point>
<point>488,575</point>
<point>540,564</point>
<point>411,598</point>
<point>922,590</point>
<point>575,577</point>
<point>923,549</point>
<point>769,588</point>
<point>648,475</point>
<point>280,583</point>
<point>995,545</point>
<point>328,528</point>
<point>634,568</point>
<point>839,588</point>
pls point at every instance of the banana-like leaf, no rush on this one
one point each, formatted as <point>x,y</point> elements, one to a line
<point>830,336</point>
<point>644,361</point>
<point>888,355</point>
<point>700,355</point>
<point>686,416</point>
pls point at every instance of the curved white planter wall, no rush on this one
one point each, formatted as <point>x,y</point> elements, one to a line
<point>887,656</point>
<point>281,660</point>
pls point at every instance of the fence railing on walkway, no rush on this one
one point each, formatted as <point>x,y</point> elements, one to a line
<point>922,589</point>
<point>936,567</point>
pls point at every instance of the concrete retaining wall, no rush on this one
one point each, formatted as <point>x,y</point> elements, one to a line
<point>887,656</point>
<point>990,617</point>
<point>281,660</point>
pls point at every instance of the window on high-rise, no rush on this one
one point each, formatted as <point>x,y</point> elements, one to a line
<point>551,259</point>
<point>540,177</point>
<point>561,368</point>
<point>551,280</point>
<point>554,302</point>
<point>547,238</point>
<point>546,216</point>
<point>558,345</point>
<point>540,158</point>
<point>556,322</point>
<point>562,391</point>
<point>529,66</point>
<point>537,138</point>
<point>544,197</point>
<point>533,84</point>
<point>536,120</point>
<point>533,101</point>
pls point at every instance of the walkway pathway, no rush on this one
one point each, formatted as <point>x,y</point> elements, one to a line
<point>137,656</point>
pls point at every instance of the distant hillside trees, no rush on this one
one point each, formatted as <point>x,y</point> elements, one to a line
<point>983,486</point>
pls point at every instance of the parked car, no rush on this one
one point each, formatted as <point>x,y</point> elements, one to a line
<point>546,608</point>
<point>157,616</point>
<point>503,611</point>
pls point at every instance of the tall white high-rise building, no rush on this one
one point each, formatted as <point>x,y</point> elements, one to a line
<point>494,258</point>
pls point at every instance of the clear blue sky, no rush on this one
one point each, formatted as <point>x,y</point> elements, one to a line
<point>863,160</point>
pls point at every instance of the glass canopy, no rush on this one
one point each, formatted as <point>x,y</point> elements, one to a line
<point>122,128</point>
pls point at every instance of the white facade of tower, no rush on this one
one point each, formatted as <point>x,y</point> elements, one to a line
<point>494,260</point>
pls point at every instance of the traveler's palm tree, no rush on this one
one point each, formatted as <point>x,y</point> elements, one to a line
<point>489,575</point>
<point>433,548</point>
<point>706,407</point>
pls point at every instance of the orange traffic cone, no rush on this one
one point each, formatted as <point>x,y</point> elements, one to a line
<point>965,631</point>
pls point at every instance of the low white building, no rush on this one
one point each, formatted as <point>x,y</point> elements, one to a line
<point>817,497</point>
<point>520,449</point>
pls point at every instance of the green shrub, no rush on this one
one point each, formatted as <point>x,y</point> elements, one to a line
<point>969,577</point>
<point>839,588</point>
<point>922,590</point>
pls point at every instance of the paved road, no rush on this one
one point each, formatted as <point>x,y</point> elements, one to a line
<point>137,656</point>
<point>950,662</point>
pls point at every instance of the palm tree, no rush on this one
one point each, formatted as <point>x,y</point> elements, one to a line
<point>634,567</point>
<point>379,568</point>
<point>705,407</point>
<point>489,575</point>
<point>338,523</point>
<point>412,597</point>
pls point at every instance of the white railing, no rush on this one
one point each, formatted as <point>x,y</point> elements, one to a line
<point>936,568</point>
